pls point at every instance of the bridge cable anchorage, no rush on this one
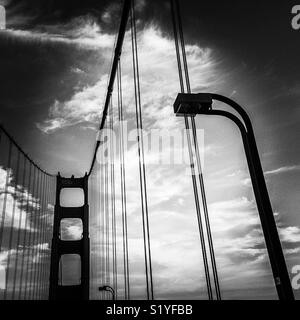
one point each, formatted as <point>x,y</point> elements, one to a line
<point>123,184</point>
<point>142,169</point>
<point>179,43</point>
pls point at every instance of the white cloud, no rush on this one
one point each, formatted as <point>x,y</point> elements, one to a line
<point>13,201</point>
<point>17,198</point>
<point>290,234</point>
<point>158,70</point>
<point>83,32</point>
<point>77,70</point>
<point>283,170</point>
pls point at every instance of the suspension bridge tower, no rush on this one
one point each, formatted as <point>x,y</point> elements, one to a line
<point>59,291</point>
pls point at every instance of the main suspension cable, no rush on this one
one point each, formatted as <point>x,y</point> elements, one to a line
<point>179,41</point>
<point>200,175</point>
<point>142,169</point>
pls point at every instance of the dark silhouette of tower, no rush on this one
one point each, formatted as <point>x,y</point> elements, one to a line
<point>79,247</point>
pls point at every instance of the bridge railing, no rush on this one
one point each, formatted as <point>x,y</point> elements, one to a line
<point>26,214</point>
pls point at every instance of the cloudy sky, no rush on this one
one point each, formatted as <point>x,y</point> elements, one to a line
<point>55,59</point>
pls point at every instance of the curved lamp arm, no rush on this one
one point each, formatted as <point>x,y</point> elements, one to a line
<point>191,104</point>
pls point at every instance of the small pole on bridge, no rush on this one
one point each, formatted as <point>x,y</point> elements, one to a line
<point>108,289</point>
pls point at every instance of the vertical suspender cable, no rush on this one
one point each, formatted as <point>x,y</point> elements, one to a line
<point>102,228</point>
<point>123,185</point>
<point>25,236</point>
<point>19,228</point>
<point>61,273</point>
<point>207,222</point>
<point>46,238</point>
<point>39,233</point>
<point>113,206</point>
<point>42,239</point>
<point>201,180</point>
<point>29,255</point>
<point>177,25</point>
<point>93,219</point>
<point>44,251</point>
<point>102,220</point>
<point>48,224</point>
<point>12,226</point>
<point>8,171</point>
<point>36,240</point>
<point>107,278</point>
<point>49,235</point>
<point>28,226</point>
<point>97,203</point>
<point>142,169</point>
<point>96,200</point>
<point>33,271</point>
<point>36,235</point>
